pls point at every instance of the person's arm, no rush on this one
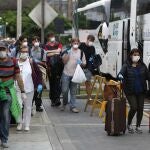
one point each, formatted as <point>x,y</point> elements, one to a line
<point>83,61</point>
<point>55,51</point>
<point>19,80</point>
<point>65,58</point>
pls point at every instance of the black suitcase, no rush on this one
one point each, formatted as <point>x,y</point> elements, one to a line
<point>115,122</point>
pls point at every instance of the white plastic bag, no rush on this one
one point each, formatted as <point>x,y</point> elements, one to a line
<point>79,76</point>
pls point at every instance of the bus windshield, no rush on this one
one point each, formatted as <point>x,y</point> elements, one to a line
<point>143,7</point>
<point>120,9</point>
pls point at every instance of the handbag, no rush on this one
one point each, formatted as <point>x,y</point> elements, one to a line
<point>79,76</point>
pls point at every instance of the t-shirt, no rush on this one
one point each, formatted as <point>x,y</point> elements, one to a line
<point>26,73</point>
<point>36,54</point>
<point>71,65</point>
<point>88,51</point>
<point>8,69</point>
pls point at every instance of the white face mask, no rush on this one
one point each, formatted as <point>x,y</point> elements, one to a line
<point>3,54</point>
<point>135,58</point>
<point>75,46</point>
<point>52,39</point>
<point>25,44</point>
<point>36,44</point>
<point>90,43</point>
<point>24,56</point>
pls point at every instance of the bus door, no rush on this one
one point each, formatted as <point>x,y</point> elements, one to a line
<point>126,40</point>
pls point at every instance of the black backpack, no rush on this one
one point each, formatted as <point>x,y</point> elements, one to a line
<point>94,62</point>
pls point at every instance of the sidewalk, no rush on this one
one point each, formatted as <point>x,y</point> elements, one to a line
<point>36,139</point>
<point>56,130</point>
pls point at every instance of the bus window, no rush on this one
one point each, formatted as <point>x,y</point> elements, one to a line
<point>120,9</point>
<point>143,7</point>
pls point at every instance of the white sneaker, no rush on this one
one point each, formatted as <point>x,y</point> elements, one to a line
<point>26,129</point>
<point>19,127</point>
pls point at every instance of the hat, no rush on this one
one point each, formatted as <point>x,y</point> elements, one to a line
<point>3,44</point>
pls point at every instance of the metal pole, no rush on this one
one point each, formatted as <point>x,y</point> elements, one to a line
<point>19,18</point>
<point>43,20</point>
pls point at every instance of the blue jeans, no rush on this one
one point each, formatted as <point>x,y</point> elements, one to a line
<point>67,85</point>
<point>5,119</point>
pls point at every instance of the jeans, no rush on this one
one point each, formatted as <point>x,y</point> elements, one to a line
<point>136,103</point>
<point>5,119</point>
<point>67,85</point>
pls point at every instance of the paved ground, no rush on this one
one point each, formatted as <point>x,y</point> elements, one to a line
<point>56,130</point>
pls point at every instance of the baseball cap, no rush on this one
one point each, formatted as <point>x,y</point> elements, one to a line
<point>3,44</point>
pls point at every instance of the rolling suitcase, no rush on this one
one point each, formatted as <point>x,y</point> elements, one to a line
<point>115,123</point>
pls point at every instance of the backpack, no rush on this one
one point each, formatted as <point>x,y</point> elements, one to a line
<point>94,62</point>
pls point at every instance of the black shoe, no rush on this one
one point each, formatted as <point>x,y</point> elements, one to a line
<point>39,109</point>
<point>52,104</point>
<point>57,103</point>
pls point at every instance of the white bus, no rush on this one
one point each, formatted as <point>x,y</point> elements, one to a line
<point>128,27</point>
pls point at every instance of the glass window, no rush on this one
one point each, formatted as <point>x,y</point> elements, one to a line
<point>143,7</point>
<point>120,9</point>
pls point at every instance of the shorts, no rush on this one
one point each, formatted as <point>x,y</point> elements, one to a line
<point>88,74</point>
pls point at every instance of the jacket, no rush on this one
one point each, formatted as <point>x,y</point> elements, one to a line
<point>129,77</point>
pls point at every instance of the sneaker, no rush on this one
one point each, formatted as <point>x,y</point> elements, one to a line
<point>75,110</point>
<point>130,129</point>
<point>5,145</point>
<point>39,109</point>
<point>26,129</point>
<point>19,127</point>
<point>63,108</point>
<point>33,112</point>
<point>138,130</point>
<point>57,104</point>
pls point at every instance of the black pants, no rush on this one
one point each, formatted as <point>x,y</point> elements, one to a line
<point>55,88</point>
<point>136,103</point>
<point>37,99</point>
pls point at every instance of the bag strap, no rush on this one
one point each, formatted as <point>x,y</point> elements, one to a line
<point>81,56</point>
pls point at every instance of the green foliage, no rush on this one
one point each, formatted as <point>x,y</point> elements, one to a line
<point>29,28</point>
<point>65,39</point>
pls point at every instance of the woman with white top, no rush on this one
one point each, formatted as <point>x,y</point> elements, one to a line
<point>32,79</point>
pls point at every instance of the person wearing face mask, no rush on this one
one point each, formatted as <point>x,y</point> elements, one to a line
<point>32,79</point>
<point>9,73</point>
<point>134,74</point>
<point>89,50</point>
<point>54,68</point>
<point>21,42</point>
<point>71,59</point>
<point>39,56</point>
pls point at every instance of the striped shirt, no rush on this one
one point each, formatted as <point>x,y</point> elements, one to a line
<point>8,69</point>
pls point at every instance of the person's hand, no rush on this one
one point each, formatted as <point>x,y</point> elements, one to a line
<point>78,62</point>
<point>39,88</point>
<point>120,77</point>
<point>23,96</point>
